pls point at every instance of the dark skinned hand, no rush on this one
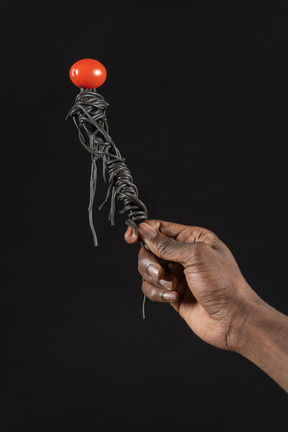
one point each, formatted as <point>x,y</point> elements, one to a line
<point>193,270</point>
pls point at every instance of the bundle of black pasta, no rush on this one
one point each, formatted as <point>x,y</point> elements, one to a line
<point>89,116</point>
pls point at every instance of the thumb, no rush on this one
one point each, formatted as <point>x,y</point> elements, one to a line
<point>163,247</point>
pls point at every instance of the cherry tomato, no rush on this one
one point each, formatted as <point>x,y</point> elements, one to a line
<point>88,73</point>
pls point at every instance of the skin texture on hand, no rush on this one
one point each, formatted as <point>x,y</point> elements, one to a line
<point>193,270</point>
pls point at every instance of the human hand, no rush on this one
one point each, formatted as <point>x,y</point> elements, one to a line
<point>193,270</point>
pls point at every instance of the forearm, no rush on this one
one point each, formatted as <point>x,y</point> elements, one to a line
<point>264,342</point>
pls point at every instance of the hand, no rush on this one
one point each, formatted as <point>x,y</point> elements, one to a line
<point>193,270</point>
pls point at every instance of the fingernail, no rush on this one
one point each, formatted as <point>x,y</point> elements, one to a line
<point>169,296</point>
<point>153,271</point>
<point>146,231</point>
<point>166,282</point>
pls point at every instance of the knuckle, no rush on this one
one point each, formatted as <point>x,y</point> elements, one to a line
<point>197,253</point>
<point>149,291</point>
<point>153,294</point>
<point>143,266</point>
<point>166,245</point>
<point>210,238</point>
<point>141,253</point>
<point>141,262</point>
<point>200,249</point>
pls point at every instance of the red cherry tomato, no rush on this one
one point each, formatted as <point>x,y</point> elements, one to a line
<point>88,73</point>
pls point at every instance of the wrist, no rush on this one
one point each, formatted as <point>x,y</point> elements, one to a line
<point>263,340</point>
<point>244,321</point>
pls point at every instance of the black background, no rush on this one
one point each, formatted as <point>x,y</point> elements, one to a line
<point>198,95</point>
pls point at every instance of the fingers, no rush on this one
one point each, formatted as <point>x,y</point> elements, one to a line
<point>162,282</point>
<point>130,236</point>
<point>159,295</point>
<point>153,271</point>
<point>162,246</point>
<point>170,229</point>
<point>179,232</point>
<point>184,233</point>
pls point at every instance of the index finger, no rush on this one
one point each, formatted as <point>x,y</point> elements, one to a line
<point>130,236</point>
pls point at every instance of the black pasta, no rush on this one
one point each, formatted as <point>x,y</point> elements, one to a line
<point>89,116</point>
